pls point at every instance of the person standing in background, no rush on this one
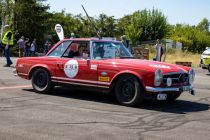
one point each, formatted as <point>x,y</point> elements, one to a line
<point>33,47</point>
<point>27,48</point>
<point>159,50</point>
<point>7,42</point>
<point>126,43</point>
<point>49,45</point>
<point>21,45</point>
<point>46,47</point>
<point>72,35</point>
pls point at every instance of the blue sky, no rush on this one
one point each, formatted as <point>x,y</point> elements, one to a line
<point>177,11</point>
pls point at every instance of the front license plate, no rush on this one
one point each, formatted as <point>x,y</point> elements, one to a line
<point>161,96</point>
<point>186,88</point>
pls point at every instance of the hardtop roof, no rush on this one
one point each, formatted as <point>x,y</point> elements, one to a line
<point>91,39</point>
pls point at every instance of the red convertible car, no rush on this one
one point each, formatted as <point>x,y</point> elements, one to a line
<point>105,65</point>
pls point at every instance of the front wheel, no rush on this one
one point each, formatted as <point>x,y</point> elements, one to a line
<point>41,81</point>
<point>129,91</point>
<point>209,68</point>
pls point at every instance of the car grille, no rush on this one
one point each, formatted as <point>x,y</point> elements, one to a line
<point>177,78</point>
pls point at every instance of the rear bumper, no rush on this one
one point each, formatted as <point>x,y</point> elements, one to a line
<point>168,89</point>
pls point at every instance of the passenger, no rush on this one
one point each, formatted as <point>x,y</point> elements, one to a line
<point>85,53</point>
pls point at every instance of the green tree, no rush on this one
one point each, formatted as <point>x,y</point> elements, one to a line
<point>144,25</point>
<point>122,24</point>
<point>66,20</point>
<point>153,24</point>
<point>107,25</point>
<point>193,39</point>
<point>86,28</point>
<point>133,34</point>
<point>6,11</point>
<point>76,24</point>
<point>204,25</point>
<point>31,18</point>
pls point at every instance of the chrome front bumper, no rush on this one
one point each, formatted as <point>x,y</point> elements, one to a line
<point>168,89</point>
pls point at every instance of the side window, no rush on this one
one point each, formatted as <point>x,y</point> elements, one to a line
<point>103,50</point>
<point>98,50</point>
<point>78,50</point>
<point>109,50</point>
<point>60,49</point>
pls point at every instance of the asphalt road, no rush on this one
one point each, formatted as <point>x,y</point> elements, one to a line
<point>69,114</point>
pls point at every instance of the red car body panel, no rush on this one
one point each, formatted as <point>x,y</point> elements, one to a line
<point>143,68</point>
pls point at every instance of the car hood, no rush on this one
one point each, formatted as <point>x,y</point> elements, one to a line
<point>149,65</point>
<point>203,56</point>
<point>207,52</point>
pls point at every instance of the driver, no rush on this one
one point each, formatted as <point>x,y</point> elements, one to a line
<point>74,51</point>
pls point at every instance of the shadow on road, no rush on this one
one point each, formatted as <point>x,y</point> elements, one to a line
<point>177,107</point>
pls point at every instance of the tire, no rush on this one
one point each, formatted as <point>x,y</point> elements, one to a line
<point>203,67</point>
<point>41,81</point>
<point>129,91</point>
<point>209,68</point>
<point>173,96</point>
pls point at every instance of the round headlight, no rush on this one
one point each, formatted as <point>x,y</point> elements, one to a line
<point>158,77</point>
<point>191,76</point>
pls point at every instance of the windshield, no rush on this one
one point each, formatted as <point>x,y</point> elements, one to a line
<point>60,49</point>
<point>107,50</point>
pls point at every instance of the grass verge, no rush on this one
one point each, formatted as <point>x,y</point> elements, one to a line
<point>174,55</point>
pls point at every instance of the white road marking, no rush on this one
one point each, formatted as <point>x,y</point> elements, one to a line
<point>15,87</point>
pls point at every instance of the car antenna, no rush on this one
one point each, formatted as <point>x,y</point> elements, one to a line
<point>96,29</point>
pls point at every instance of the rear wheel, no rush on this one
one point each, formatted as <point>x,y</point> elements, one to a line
<point>41,81</point>
<point>129,91</point>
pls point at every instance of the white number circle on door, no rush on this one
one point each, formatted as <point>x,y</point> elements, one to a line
<point>71,68</point>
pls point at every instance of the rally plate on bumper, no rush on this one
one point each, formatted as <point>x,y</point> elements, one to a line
<point>161,96</point>
<point>186,88</point>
